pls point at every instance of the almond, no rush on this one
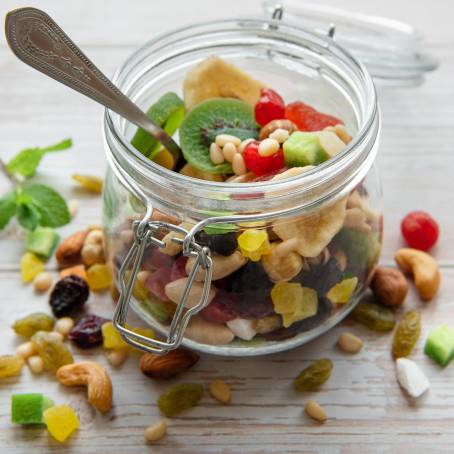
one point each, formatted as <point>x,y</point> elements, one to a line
<point>175,362</point>
<point>68,253</point>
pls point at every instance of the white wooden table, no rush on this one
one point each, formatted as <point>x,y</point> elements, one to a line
<point>367,410</point>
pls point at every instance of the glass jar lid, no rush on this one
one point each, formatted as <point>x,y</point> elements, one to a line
<point>390,49</point>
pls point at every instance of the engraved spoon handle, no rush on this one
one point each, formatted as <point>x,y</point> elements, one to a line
<point>40,43</point>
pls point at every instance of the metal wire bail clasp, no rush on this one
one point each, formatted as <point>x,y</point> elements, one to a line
<point>143,237</point>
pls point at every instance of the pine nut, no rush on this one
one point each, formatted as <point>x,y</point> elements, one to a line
<point>156,431</point>
<point>244,144</point>
<point>26,350</point>
<point>268,147</point>
<point>220,391</point>
<point>342,133</point>
<point>238,164</point>
<point>64,325</point>
<point>350,343</point>
<point>73,207</point>
<point>315,411</point>
<point>42,282</point>
<point>229,151</point>
<point>223,139</point>
<point>116,357</point>
<point>281,135</point>
<point>216,155</point>
<point>35,364</point>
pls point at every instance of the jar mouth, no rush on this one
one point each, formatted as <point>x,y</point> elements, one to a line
<point>352,163</point>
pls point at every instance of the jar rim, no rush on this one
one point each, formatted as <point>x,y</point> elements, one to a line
<point>306,180</point>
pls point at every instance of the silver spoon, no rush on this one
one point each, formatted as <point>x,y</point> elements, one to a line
<point>40,43</point>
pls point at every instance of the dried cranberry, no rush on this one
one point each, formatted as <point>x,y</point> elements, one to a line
<point>68,295</point>
<point>178,268</point>
<point>420,230</point>
<point>157,281</point>
<point>220,310</point>
<point>87,332</point>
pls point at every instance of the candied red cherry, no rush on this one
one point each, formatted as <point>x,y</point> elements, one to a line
<point>270,106</point>
<point>307,118</point>
<point>261,165</point>
<point>420,230</point>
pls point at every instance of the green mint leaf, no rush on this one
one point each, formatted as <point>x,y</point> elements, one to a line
<point>7,208</point>
<point>28,216</point>
<point>50,205</point>
<point>27,161</point>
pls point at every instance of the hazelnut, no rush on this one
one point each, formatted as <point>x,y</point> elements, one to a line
<point>390,286</point>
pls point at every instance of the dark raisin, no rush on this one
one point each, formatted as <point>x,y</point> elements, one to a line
<point>68,295</point>
<point>320,277</point>
<point>255,304</point>
<point>223,244</point>
<point>87,332</point>
<point>249,278</point>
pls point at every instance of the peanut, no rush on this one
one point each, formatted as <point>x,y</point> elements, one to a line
<point>350,343</point>
<point>220,391</point>
<point>116,357</point>
<point>36,364</point>
<point>315,411</point>
<point>95,377</point>
<point>174,291</point>
<point>222,266</point>
<point>92,253</point>
<point>95,236</point>
<point>424,269</point>
<point>156,431</point>
<point>42,282</point>
<point>64,325</point>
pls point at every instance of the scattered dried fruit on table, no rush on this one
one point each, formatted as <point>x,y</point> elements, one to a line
<point>314,375</point>
<point>342,292</point>
<point>374,316</point>
<point>68,295</point>
<point>61,421</point>
<point>407,334</point>
<point>179,398</point>
<point>10,365</point>
<point>99,277</point>
<point>90,182</point>
<point>390,287</point>
<point>350,343</point>
<point>32,323</point>
<point>68,252</point>
<point>92,375</point>
<point>30,266</point>
<point>53,351</point>
<point>87,333</point>
<point>156,431</point>
<point>29,408</point>
<point>42,282</point>
<point>173,363</point>
<point>424,269</point>
<point>220,391</point>
<point>440,345</point>
<point>411,377</point>
<point>420,230</point>
<point>315,410</point>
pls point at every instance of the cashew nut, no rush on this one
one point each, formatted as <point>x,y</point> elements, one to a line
<point>94,376</point>
<point>280,264</point>
<point>222,266</point>
<point>171,248</point>
<point>424,269</point>
<point>356,218</point>
<point>174,291</point>
<point>320,259</point>
<point>204,332</point>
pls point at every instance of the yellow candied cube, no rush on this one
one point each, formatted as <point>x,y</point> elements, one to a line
<point>254,243</point>
<point>61,421</point>
<point>342,292</point>
<point>99,277</point>
<point>30,266</point>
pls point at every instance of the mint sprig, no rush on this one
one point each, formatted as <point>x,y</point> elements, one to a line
<point>33,204</point>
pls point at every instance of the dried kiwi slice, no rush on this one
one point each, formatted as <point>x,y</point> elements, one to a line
<point>210,118</point>
<point>168,113</point>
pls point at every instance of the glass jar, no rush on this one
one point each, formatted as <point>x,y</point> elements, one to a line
<point>288,258</point>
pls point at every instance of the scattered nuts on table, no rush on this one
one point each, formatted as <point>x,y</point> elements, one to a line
<point>35,364</point>
<point>64,325</point>
<point>173,363</point>
<point>116,357</point>
<point>92,253</point>
<point>315,410</point>
<point>43,282</point>
<point>26,350</point>
<point>350,343</point>
<point>220,391</point>
<point>156,431</point>
<point>274,125</point>
<point>424,269</point>
<point>390,287</point>
<point>68,252</point>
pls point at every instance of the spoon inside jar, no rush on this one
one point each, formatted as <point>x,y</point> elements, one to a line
<point>40,43</point>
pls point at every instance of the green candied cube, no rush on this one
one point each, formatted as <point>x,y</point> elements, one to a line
<point>29,408</point>
<point>42,241</point>
<point>303,149</point>
<point>440,345</point>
